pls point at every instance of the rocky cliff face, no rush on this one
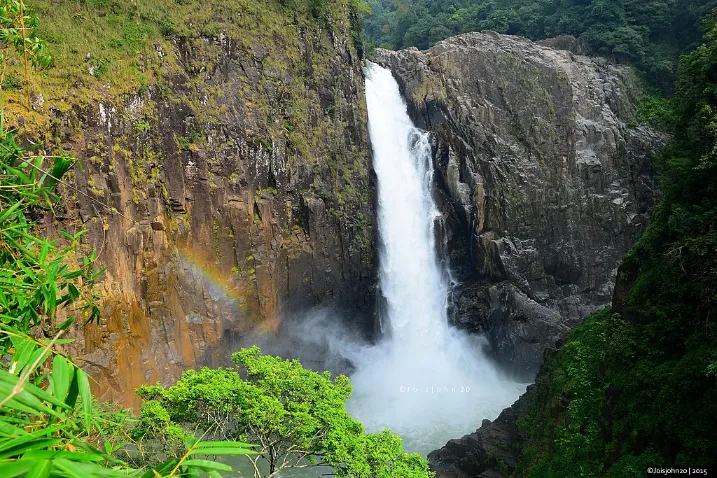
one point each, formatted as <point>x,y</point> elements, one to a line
<point>240,179</point>
<point>544,183</point>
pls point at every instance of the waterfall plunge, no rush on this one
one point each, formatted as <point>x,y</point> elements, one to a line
<point>426,381</point>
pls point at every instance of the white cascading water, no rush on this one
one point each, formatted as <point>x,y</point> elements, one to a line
<point>427,381</point>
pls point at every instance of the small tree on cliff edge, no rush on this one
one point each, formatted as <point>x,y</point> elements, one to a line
<point>296,416</point>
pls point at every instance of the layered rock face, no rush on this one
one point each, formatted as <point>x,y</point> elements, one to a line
<point>241,181</point>
<point>544,182</point>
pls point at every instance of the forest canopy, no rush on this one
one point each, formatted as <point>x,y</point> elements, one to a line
<point>650,34</point>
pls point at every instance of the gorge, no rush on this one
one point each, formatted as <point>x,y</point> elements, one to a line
<point>443,226</point>
<point>532,231</point>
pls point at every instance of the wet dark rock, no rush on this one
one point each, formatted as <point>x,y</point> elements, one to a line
<point>543,180</point>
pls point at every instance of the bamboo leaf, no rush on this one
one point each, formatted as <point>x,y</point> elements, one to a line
<point>161,469</point>
<point>28,437</point>
<point>56,341</point>
<point>66,324</point>
<point>41,469</point>
<point>36,359</point>
<point>22,399</point>
<point>44,252</point>
<point>10,431</point>
<point>35,392</point>
<point>70,468</point>
<point>89,469</point>
<point>192,472</point>
<point>24,348</point>
<point>59,168</point>
<point>5,214</point>
<point>62,454</point>
<point>11,469</point>
<point>189,441</point>
<point>29,446</point>
<point>74,391</point>
<point>73,291</point>
<point>86,397</point>
<point>62,376</point>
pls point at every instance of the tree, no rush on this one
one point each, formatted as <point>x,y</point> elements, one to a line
<point>296,416</point>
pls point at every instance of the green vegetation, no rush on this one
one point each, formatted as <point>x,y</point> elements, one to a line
<point>657,112</point>
<point>297,416</point>
<point>650,34</point>
<point>18,34</point>
<point>126,44</point>
<point>636,386</point>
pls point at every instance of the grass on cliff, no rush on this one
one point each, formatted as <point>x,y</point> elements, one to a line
<point>111,47</point>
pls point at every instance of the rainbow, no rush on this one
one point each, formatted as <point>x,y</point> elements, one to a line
<point>226,286</point>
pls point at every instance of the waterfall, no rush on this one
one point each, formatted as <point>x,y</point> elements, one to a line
<point>426,380</point>
<point>410,278</point>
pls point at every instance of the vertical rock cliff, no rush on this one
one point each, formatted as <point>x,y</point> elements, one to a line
<point>226,174</point>
<point>545,183</point>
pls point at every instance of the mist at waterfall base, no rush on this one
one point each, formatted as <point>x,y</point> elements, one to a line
<point>427,396</point>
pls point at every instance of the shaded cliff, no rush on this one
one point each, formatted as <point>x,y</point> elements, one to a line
<point>543,183</point>
<point>226,173</point>
<point>635,385</point>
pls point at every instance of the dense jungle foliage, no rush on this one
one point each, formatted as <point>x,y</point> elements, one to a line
<point>651,34</point>
<point>636,386</point>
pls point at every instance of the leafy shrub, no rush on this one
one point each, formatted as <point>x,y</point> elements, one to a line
<point>295,414</point>
<point>12,82</point>
<point>656,111</point>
